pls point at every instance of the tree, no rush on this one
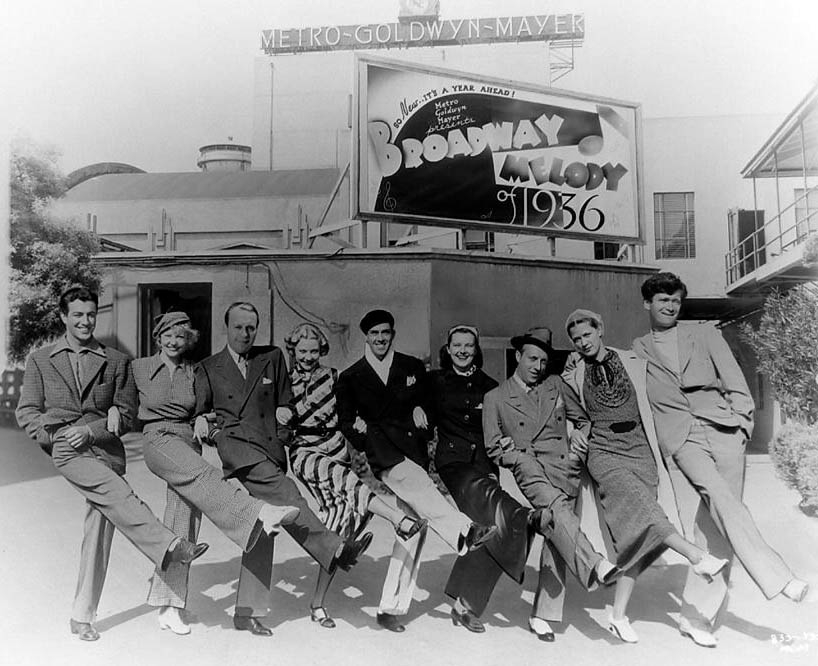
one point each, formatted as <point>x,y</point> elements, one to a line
<point>47,254</point>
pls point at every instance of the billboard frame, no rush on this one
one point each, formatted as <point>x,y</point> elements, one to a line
<point>359,165</point>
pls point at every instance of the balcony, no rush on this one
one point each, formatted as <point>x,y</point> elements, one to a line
<point>770,253</point>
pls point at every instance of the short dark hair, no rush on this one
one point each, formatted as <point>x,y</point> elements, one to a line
<point>77,294</point>
<point>240,305</point>
<point>663,283</point>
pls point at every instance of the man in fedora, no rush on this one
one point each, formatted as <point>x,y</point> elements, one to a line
<point>380,411</point>
<point>525,428</point>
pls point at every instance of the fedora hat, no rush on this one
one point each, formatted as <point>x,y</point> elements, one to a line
<point>537,335</point>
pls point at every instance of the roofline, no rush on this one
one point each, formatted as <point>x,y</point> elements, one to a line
<point>781,133</point>
<point>228,257</point>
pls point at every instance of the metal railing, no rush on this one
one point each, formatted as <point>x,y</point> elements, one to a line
<point>780,234</point>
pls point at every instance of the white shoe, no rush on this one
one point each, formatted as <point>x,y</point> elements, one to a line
<point>698,633</point>
<point>273,517</point>
<point>540,627</point>
<point>709,566</point>
<point>796,590</point>
<point>622,629</point>
<point>171,618</point>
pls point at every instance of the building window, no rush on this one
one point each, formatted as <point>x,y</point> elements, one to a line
<point>603,250</point>
<point>674,225</point>
<point>474,239</point>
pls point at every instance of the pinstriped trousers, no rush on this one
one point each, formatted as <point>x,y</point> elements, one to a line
<point>194,487</point>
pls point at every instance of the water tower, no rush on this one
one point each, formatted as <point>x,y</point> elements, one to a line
<point>224,157</point>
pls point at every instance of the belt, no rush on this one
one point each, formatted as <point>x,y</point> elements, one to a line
<point>320,431</point>
<point>622,426</point>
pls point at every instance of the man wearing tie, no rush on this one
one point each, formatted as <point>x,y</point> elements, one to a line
<point>245,386</point>
<point>67,390</point>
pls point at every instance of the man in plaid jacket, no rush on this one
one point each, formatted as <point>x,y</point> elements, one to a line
<point>67,391</point>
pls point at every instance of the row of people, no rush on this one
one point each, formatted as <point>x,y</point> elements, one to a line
<point>547,430</point>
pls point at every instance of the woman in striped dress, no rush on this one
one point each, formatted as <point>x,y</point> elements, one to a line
<point>320,460</point>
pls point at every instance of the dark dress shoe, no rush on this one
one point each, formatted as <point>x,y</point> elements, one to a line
<point>468,620</point>
<point>352,551</point>
<point>478,535</point>
<point>390,622</point>
<point>184,553</point>
<point>84,630</point>
<point>251,624</point>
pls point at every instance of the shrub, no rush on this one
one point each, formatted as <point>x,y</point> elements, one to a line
<point>794,452</point>
<point>786,346</point>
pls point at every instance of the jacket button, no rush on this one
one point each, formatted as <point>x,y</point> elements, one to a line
<point>466,417</point>
<point>521,423</point>
<point>562,457</point>
<point>473,447</point>
<point>229,397</point>
<point>559,418</point>
<point>409,434</point>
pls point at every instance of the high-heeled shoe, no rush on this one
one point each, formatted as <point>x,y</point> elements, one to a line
<point>319,614</point>
<point>171,618</point>
<point>543,630</point>
<point>622,629</point>
<point>468,620</point>
<point>709,566</point>
<point>415,526</point>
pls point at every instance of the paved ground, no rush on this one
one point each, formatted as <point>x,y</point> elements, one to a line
<point>41,522</point>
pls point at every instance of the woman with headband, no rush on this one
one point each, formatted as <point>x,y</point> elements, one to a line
<point>472,478</point>
<point>166,402</point>
<point>622,456</point>
<point>319,458</point>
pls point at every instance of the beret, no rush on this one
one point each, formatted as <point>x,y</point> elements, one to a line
<point>375,317</point>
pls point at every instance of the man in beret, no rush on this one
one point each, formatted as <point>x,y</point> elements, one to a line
<point>380,411</point>
<point>245,386</point>
<point>525,429</point>
<point>67,391</point>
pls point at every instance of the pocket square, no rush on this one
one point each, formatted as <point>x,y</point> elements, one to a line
<point>266,380</point>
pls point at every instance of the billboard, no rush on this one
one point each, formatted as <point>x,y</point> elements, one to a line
<point>441,148</point>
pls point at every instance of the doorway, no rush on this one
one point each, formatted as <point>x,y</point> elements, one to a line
<point>193,298</point>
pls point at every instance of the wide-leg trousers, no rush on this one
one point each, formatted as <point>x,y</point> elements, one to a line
<point>111,503</point>
<point>194,487</point>
<point>712,459</point>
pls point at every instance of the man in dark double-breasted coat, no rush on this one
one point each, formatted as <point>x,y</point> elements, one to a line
<point>245,386</point>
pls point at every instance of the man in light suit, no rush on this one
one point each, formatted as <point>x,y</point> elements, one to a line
<point>525,430</point>
<point>67,390</point>
<point>245,386</point>
<point>703,413</point>
<point>380,411</point>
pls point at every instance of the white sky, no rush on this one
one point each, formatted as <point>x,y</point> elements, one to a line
<point>149,81</point>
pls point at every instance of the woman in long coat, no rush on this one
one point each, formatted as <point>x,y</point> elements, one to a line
<point>455,406</point>
<point>623,459</point>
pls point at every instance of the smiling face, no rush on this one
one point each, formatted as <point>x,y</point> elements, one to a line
<point>307,352</point>
<point>531,362</point>
<point>80,322</point>
<point>664,310</point>
<point>379,338</point>
<point>173,343</point>
<point>242,326</point>
<point>462,349</point>
<point>587,339</point>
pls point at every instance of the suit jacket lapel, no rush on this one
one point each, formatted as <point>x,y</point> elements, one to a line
<point>63,367</point>
<point>93,365</point>
<point>686,348</point>
<point>255,368</point>
<point>519,400</point>
<point>547,397</point>
<point>229,371</point>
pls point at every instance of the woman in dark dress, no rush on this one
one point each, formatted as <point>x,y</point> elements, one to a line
<point>456,403</point>
<point>623,459</point>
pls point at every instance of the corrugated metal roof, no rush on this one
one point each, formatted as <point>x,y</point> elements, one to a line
<point>205,185</point>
